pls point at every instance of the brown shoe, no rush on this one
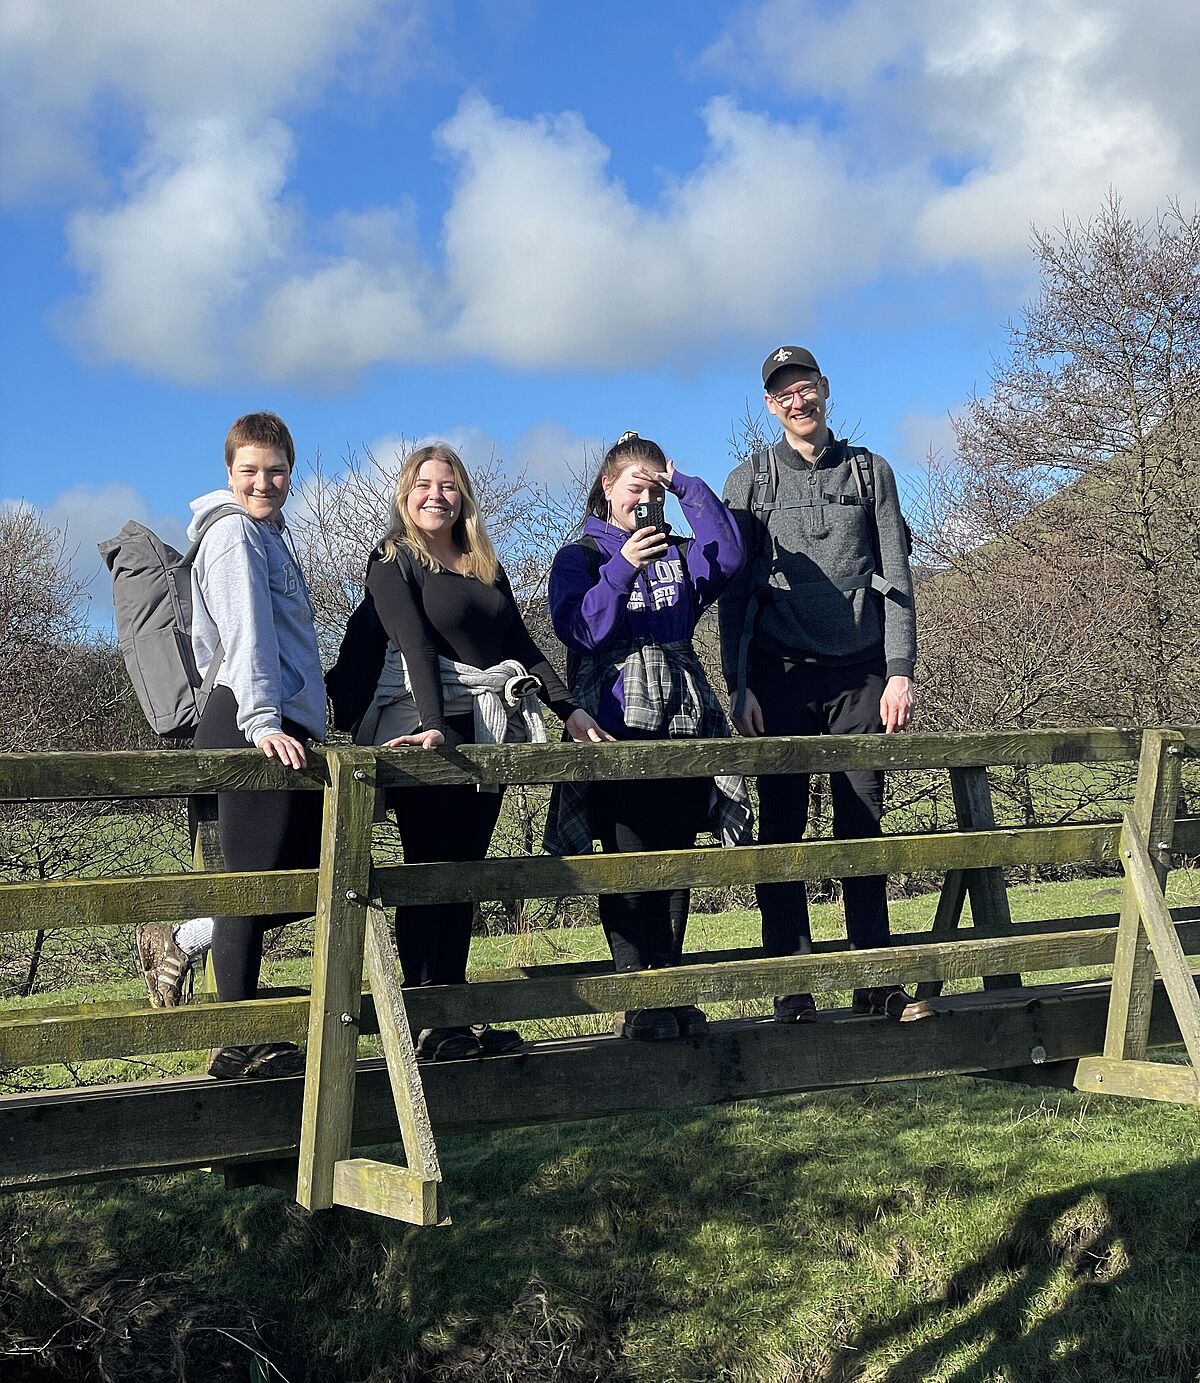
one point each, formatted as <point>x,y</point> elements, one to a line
<point>794,1008</point>
<point>892,1001</point>
<point>166,967</point>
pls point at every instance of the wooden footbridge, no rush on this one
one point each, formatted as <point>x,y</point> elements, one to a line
<point>1094,1036</point>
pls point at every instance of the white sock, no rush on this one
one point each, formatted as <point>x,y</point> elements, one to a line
<point>194,936</point>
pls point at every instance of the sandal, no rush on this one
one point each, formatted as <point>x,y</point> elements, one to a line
<point>448,1044</point>
<point>647,1024</point>
<point>795,1008</point>
<point>263,1061</point>
<point>692,1021</point>
<point>166,967</point>
<point>892,1001</point>
<point>496,1041</point>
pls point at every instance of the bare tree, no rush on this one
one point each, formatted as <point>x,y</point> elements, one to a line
<point>1069,518</point>
<point>62,687</point>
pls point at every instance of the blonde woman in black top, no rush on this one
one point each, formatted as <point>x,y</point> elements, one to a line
<point>461,668</point>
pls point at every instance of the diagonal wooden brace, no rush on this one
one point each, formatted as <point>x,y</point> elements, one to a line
<point>1155,800</point>
<point>377,1186</point>
<point>1159,927</point>
<point>1157,938</point>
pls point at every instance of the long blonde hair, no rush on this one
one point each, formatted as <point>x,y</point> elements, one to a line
<point>469,534</point>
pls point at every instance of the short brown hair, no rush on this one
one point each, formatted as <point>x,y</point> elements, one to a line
<point>259,430</point>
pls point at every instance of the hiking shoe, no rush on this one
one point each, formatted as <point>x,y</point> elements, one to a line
<point>496,1041</point>
<point>647,1024</point>
<point>795,1008</point>
<point>263,1061</point>
<point>447,1044</point>
<point>692,1021</point>
<point>166,968</point>
<point>894,1002</point>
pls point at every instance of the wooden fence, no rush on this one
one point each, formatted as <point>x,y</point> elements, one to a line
<point>1094,1035</point>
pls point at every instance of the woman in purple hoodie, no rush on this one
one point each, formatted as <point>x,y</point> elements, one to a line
<point>625,598</point>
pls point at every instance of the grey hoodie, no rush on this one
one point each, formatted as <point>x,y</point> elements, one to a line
<point>811,552</point>
<point>247,592</point>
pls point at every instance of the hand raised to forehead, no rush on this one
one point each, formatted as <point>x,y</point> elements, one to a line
<point>663,478</point>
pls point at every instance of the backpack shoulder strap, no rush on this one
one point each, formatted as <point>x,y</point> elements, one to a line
<point>862,468</point>
<point>764,482</point>
<point>222,511</point>
<point>594,557</point>
<point>208,681</point>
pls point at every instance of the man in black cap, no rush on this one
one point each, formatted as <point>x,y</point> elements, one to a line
<point>818,636</point>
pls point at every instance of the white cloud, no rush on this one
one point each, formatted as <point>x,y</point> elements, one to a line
<point>86,515</point>
<point>474,444</point>
<point>169,267</point>
<point>552,453</point>
<point>164,61</point>
<point>554,265</point>
<point>333,322</point>
<point>934,132</point>
<point>1026,114</point>
<point>921,434</point>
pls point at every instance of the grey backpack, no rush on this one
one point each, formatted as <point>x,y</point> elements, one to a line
<point>152,602</point>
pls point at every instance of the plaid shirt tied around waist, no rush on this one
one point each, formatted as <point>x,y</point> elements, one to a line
<point>666,693</point>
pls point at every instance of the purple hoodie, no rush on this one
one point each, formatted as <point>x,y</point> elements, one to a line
<point>662,603</point>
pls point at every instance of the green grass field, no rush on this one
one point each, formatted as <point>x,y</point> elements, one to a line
<point>949,1230</point>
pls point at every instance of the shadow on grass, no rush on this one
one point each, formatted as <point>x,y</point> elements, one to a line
<point>1093,1282</point>
<point>895,1233</point>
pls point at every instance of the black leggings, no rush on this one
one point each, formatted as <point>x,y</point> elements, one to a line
<point>645,930</point>
<point>450,823</point>
<point>805,699</point>
<point>259,830</point>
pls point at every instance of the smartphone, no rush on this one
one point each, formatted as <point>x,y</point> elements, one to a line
<point>651,514</point>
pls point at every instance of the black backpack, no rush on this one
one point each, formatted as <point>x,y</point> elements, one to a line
<point>351,681</point>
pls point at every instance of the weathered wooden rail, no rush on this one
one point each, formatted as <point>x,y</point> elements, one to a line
<point>1094,1035</point>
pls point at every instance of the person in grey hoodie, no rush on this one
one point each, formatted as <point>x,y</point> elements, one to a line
<point>250,607</point>
<point>818,636</point>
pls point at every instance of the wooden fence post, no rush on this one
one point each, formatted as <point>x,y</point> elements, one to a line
<point>342,893</point>
<point>986,888</point>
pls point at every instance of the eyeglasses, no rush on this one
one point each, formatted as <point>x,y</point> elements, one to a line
<point>801,392</point>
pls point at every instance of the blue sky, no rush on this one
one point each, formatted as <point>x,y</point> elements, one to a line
<point>530,226</point>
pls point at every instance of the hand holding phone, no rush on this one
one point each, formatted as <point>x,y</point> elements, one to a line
<point>651,514</point>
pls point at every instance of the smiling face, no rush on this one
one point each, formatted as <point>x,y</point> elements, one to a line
<point>624,492</point>
<point>260,478</point>
<point>802,415</point>
<point>434,502</point>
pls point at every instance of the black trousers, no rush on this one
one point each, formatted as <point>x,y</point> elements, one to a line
<point>805,699</point>
<point>440,824</point>
<point>258,830</point>
<point>645,930</point>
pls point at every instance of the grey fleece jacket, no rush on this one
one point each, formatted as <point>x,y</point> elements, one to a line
<point>247,592</point>
<point>805,558</point>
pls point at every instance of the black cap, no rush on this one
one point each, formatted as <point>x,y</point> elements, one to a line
<point>789,357</point>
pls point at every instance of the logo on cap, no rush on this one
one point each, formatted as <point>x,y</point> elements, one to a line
<point>782,355</point>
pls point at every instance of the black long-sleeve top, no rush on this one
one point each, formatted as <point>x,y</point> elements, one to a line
<point>431,614</point>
